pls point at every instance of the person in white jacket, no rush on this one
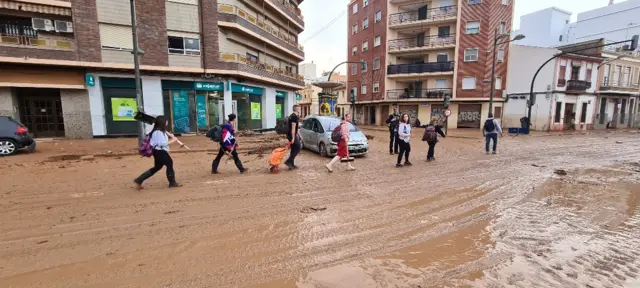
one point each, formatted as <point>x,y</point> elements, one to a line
<point>404,134</point>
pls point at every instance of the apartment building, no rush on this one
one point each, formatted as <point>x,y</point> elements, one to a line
<point>618,90</point>
<point>66,66</point>
<point>417,53</point>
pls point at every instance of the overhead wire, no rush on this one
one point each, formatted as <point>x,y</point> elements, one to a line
<point>325,27</point>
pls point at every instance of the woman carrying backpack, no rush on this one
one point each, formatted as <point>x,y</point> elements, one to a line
<point>343,149</point>
<point>404,134</point>
<point>431,136</point>
<point>159,140</point>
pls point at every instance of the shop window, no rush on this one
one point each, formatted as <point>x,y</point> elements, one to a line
<point>184,46</point>
<point>556,118</point>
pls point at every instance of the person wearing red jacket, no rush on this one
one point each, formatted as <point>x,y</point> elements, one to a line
<point>228,145</point>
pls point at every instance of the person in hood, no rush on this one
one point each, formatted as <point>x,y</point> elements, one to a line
<point>228,145</point>
<point>490,131</point>
<point>393,121</point>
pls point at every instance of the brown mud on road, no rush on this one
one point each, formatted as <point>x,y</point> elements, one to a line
<point>466,220</point>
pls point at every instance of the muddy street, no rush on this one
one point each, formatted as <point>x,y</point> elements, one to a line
<point>466,220</point>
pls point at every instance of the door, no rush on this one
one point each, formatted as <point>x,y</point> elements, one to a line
<point>372,115</point>
<point>444,31</point>
<point>420,40</point>
<point>315,135</point>
<point>443,57</point>
<point>422,12</point>
<point>418,89</point>
<point>469,115</point>
<point>631,112</point>
<point>305,132</point>
<point>569,116</point>
<point>234,107</point>
<point>41,112</point>
<point>623,111</point>
<point>603,110</point>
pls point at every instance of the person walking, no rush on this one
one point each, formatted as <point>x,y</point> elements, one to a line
<point>404,135</point>
<point>159,140</point>
<point>490,131</point>
<point>431,136</point>
<point>293,135</point>
<point>392,121</point>
<point>343,149</point>
<point>228,145</point>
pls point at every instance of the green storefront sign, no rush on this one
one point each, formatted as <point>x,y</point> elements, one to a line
<point>90,80</point>
<point>208,86</point>
<point>298,96</point>
<point>278,111</point>
<point>239,88</point>
<point>281,94</point>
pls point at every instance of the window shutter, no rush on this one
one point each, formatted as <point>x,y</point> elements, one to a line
<point>116,36</point>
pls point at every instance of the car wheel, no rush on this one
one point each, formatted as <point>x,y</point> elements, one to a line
<point>7,147</point>
<point>323,150</point>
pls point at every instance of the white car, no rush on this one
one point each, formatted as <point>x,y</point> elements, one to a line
<point>316,136</point>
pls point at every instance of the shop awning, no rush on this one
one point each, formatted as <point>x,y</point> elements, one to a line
<point>36,8</point>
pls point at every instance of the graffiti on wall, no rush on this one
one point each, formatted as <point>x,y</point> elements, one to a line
<point>469,116</point>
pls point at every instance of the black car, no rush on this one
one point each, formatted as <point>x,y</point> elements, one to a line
<point>14,136</point>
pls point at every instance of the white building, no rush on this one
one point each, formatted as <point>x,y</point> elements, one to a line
<point>309,71</point>
<point>550,27</point>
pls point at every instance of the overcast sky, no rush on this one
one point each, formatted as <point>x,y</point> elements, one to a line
<point>330,46</point>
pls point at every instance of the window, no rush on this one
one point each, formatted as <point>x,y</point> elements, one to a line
<point>365,46</point>
<point>583,114</point>
<point>354,69</point>
<point>505,2</point>
<point>500,55</point>
<point>376,41</point>
<point>354,29</point>
<point>473,27</point>
<point>365,3</point>
<point>469,83</point>
<point>181,45</point>
<point>363,89</point>
<point>441,83</point>
<point>498,83</point>
<point>376,64</point>
<point>470,54</point>
<point>589,72</point>
<point>556,118</point>
<point>355,8</point>
<point>442,57</point>
<point>562,73</point>
<point>378,16</point>
<point>252,58</point>
<point>444,31</point>
<point>497,112</point>
<point>365,23</point>
<point>364,66</point>
<point>376,87</point>
<point>502,28</point>
<point>575,72</point>
<point>475,1</point>
<point>354,50</point>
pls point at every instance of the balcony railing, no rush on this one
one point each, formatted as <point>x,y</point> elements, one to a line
<point>230,9</point>
<point>438,93</point>
<point>419,42</point>
<point>430,14</point>
<point>242,59</point>
<point>578,85</point>
<point>431,67</point>
<point>295,11</point>
<point>611,85</point>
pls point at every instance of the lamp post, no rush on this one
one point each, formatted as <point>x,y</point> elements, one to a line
<point>136,66</point>
<point>497,37</point>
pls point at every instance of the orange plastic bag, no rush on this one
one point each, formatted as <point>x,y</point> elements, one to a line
<point>277,155</point>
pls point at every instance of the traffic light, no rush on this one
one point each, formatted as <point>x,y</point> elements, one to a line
<point>352,95</point>
<point>634,43</point>
<point>447,101</point>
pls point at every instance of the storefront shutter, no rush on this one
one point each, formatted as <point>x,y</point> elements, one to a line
<point>116,36</point>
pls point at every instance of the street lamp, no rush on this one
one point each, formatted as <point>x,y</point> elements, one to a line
<point>497,37</point>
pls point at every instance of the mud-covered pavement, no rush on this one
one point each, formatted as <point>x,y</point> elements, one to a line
<point>466,220</point>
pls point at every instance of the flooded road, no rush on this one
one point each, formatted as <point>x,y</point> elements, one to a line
<point>465,220</point>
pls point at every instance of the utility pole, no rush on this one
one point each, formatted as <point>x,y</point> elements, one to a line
<point>493,70</point>
<point>136,67</point>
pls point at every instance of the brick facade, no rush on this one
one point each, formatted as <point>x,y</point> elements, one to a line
<point>209,37</point>
<point>85,25</point>
<point>371,76</point>
<point>152,32</point>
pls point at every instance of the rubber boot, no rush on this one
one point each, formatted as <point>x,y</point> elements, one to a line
<point>172,180</point>
<point>333,161</point>
<point>144,176</point>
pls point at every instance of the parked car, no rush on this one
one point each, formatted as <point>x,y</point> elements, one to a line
<point>316,136</point>
<point>14,136</point>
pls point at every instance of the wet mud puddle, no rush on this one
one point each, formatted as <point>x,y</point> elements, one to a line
<point>576,230</point>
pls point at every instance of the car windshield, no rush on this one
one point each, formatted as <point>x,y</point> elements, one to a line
<point>332,123</point>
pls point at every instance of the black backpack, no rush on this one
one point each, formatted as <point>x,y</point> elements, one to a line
<point>489,126</point>
<point>215,133</point>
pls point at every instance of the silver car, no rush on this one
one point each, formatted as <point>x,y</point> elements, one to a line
<point>316,136</point>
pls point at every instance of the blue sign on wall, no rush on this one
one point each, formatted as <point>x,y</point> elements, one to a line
<point>281,94</point>
<point>208,86</point>
<point>90,80</point>
<point>201,110</point>
<point>180,103</point>
<point>239,88</point>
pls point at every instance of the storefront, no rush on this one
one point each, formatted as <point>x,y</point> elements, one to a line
<point>120,105</point>
<point>469,115</point>
<point>248,100</point>
<point>192,106</point>
<point>280,98</point>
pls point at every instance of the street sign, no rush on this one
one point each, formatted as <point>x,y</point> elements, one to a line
<point>90,80</point>
<point>447,113</point>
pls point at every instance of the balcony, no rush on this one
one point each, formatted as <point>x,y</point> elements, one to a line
<point>413,18</point>
<point>234,61</point>
<point>421,68</point>
<point>577,86</point>
<point>289,10</point>
<point>422,43</point>
<point>438,93</point>
<point>619,86</point>
<point>230,13</point>
<point>20,35</point>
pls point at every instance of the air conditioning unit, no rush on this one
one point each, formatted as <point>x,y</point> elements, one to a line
<point>64,26</point>
<point>42,24</point>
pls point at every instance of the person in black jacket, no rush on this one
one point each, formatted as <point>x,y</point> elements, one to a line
<point>431,134</point>
<point>393,121</point>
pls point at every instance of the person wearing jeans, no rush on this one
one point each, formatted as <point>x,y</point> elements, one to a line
<point>228,145</point>
<point>293,135</point>
<point>491,130</point>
